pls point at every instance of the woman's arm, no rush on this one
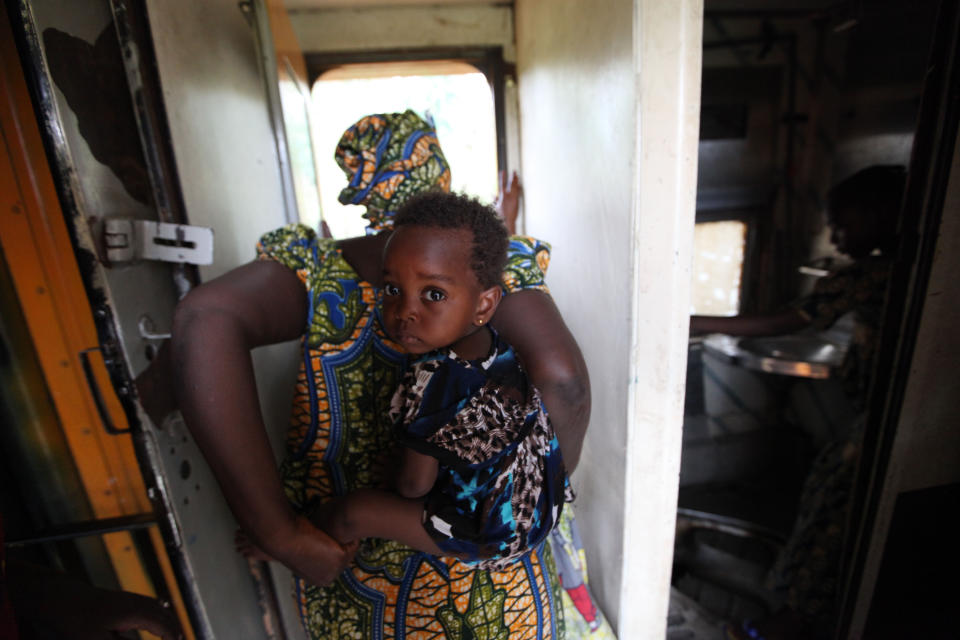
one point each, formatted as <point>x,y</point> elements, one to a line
<point>215,326</point>
<point>49,604</point>
<point>769,324</point>
<point>530,321</point>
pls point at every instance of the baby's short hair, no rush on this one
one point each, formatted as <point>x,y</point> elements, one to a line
<point>442,210</point>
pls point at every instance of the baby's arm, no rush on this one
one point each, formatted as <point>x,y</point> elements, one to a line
<point>417,475</point>
<point>372,513</point>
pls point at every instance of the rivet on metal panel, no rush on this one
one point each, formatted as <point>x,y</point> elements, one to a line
<point>109,350</point>
<point>246,8</point>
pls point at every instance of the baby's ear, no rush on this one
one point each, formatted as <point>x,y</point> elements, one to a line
<point>487,305</point>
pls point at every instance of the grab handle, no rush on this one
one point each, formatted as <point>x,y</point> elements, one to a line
<point>105,418</point>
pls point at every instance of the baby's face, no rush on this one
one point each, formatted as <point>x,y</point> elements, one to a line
<point>430,293</point>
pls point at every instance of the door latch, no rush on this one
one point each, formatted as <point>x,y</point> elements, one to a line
<point>129,240</point>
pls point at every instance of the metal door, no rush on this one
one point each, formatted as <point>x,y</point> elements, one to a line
<point>116,95</point>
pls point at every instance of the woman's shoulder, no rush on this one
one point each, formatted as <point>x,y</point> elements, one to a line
<point>298,247</point>
<point>527,261</point>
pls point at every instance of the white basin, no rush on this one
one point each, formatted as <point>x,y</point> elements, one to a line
<point>800,355</point>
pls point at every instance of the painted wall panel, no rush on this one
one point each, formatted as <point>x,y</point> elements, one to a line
<point>219,120</point>
<point>226,153</point>
<point>578,132</point>
<point>352,29</point>
<point>609,105</point>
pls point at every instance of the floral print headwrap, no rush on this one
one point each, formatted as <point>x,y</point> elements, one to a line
<point>389,157</point>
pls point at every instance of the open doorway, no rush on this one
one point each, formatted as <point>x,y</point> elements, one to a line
<point>796,100</point>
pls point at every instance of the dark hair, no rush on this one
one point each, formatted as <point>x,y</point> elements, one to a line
<point>876,191</point>
<point>488,254</point>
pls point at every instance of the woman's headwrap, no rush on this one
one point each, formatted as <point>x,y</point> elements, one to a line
<point>389,157</point>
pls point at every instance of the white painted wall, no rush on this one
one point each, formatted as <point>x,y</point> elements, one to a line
<point>220,123</point>
<point>226,155</point>
<point>226,152</point>
<point>578,131</point>
<point>609,103</point>
<point>357,28</point>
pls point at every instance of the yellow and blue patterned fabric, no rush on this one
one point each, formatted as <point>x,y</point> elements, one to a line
<point>340,435</point>
<point>501,483</point>
<point>389,157</point>
<point>340,439</point>
<point>582,618</point>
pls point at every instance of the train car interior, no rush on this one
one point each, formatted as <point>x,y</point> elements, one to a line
<point>684,160</point>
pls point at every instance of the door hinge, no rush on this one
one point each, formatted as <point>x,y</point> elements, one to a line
<point>129,240</point>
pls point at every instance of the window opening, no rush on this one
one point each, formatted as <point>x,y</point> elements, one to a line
<point>456,95</point>
<point>718,251</point>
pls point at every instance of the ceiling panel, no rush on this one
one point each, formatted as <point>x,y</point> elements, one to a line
<point>306,5</point>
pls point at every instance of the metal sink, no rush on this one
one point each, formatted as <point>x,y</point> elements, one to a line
<point>800,355</point>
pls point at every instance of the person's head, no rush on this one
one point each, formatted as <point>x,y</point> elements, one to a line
<point>388,158</point>
<point>863,210</point>
<point>441,270</point>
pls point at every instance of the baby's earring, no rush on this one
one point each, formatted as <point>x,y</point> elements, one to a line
<point>479,322</point>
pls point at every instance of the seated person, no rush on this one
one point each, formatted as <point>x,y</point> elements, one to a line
<point>863,213</point>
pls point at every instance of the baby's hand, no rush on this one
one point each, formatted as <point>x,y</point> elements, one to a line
<point>331,517</point>
<point>315,555</point>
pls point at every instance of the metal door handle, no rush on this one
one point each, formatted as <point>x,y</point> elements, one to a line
<point>105,418</point>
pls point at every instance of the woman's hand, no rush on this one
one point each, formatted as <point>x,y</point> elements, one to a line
<point>307,550</point>
<point>114,612</point>
<point>312,554</point>
<point>54,604</point>
<point>507,203</point>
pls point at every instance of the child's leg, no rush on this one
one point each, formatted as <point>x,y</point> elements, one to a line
<point>371,513</point>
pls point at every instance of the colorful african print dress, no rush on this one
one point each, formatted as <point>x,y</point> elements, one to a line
<point>340,439</point>
<point>501,483</point>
